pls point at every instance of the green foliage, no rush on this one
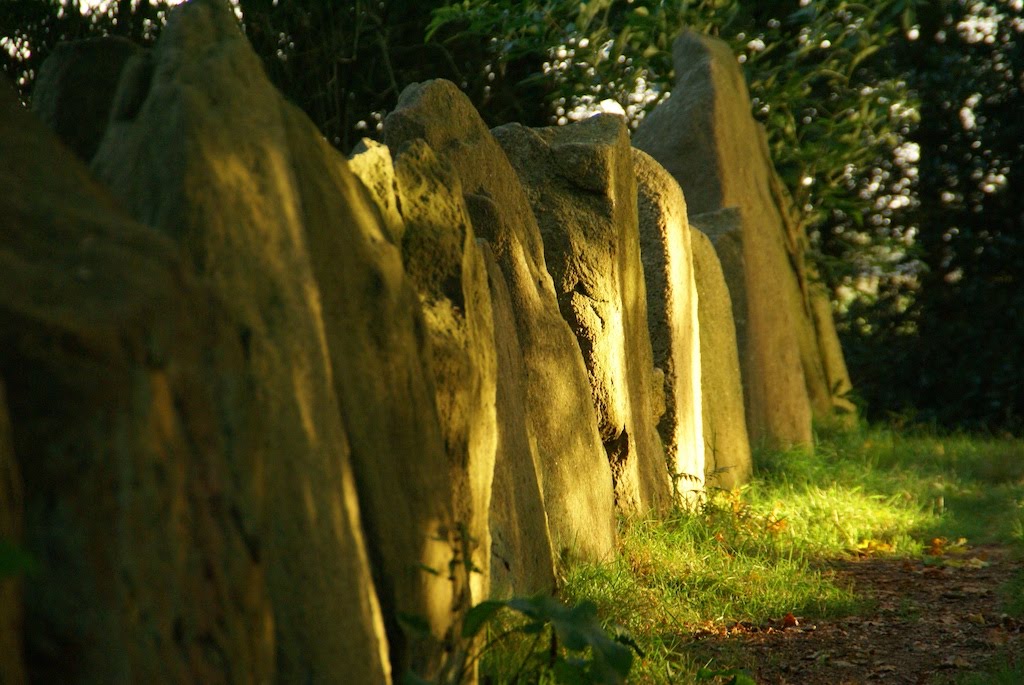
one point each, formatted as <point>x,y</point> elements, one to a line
<point>573,631</point>
<point>804,69</point>
<point>728,676</point>
<point>30,29</point>
<point>563,644</point>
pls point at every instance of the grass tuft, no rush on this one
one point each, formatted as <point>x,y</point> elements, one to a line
<point>760,552</point>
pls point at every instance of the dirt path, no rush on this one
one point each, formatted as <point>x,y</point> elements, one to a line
<point>928,623</point>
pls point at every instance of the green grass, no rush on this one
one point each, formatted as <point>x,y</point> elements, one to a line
<point>759,553</point>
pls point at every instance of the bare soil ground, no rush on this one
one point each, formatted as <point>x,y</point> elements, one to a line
<point>926,622</point>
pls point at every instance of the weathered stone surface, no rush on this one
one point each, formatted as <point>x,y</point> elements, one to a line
<point>447,266</point>
<point>378,346</point>
<point>577,482</point>
<point>837,376</point>
<point>201,147</point>
<point>672,313</point>
<point>727,459</point>
<point>580,182</point>
<point>130,421</point>
<point>522,558</point>
<point>371,162</point>
<point>707,139</point>
<point>76,86</point>
<point>828,381</point>
<point>12,513</point>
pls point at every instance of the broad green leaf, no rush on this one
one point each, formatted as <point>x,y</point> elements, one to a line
<point>477,616</point>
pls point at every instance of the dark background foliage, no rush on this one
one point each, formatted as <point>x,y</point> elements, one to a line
<point>897,126</point>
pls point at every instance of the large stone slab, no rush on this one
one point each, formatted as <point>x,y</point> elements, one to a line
<point>727,459</point>
<point>379,345</point>
<point>427,192</point>
<point>577,482</point>
<point>522,557</point>
<point>135,438</point>
<point>202,148</point>
<point>580,182</point>
<point>707,139</point>
<point>447,266</point>
<point>828,381</point>
<point>76,86</point>
<point>373,165</point>
<point>672,312</point>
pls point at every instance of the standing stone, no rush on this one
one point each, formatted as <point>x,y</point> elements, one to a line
<point>372,164</point>
<point>828,381</point>
<point>447,266</point>
<point>672,311</point>
<point>522,557</point>
<point>837,377</point>
<point>134,434</point>
<point>707,139</point>
<point>577,481</point>
<point>76,86</point>
<point>201,147</point>
<point>727,462</point>
<point>378,345</point>
<point>582,188</point>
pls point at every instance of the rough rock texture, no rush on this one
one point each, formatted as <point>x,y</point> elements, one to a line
<point>371,162</point>
<point>522,558</point>
<point>577,482</point>
<point>580,182</point>
<point>447,266</point>
<point>201,147</point>
<point>727,459</point>
<point>378,346</point>
<point>131,422</point>
<point>836,374</point>
<point>76,86</point>
<point>672,314</point>
<point>707,139</point>
<point>12,513</point>
<point>828,381</point>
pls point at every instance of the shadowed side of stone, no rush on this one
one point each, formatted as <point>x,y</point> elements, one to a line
<point>75,89</point>
<point>577,482</point>
<point>727,458</point>
<point>522,558</point>
<point>580,183</point>
<point>202,148</point>
<point>828,380</point>
<point>129,415</point>
<point>423,188</point>
<point>447,266</point>
<point>672,311</point>
<point>707,139</point>
<point>379,348</point>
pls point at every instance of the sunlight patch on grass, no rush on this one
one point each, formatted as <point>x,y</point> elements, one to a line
<point>758,553</point>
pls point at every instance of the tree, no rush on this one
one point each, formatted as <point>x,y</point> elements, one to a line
<point>967,352</point>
